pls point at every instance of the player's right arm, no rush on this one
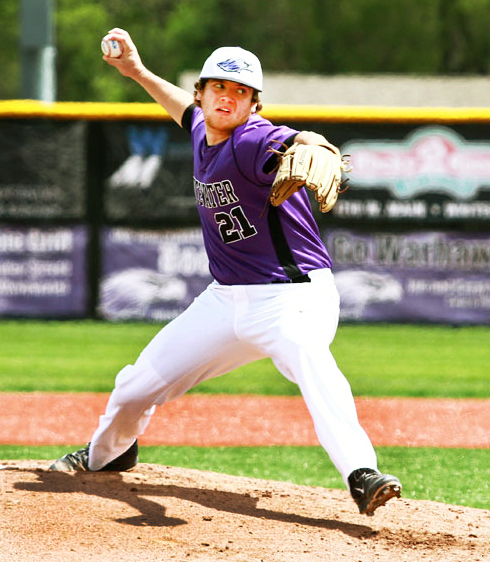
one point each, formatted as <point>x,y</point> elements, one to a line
<point>173,99</point>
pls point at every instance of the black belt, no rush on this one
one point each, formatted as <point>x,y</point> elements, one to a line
<point>301,279</point>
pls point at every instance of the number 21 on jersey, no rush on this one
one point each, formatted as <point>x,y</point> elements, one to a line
<point>234,226</point>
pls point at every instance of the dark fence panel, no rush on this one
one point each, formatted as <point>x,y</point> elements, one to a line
<point>42,169</point>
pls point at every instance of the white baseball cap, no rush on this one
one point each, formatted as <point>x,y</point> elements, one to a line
<point>235,64</point>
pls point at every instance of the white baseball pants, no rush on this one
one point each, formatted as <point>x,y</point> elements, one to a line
<point>224,328</point>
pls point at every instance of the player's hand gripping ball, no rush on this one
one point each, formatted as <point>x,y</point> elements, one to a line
<point>111,48</point>
<point>319,168</point>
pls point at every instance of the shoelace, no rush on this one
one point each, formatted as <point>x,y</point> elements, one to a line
<point>78,458</point>
<point>360,485</point>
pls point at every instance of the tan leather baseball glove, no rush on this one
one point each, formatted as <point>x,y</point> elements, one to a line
<point>319,168</point>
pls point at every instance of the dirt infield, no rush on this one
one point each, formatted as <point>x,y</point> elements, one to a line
<point>157,513</point>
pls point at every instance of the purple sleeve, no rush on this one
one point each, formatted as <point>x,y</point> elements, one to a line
<point>253,142</point>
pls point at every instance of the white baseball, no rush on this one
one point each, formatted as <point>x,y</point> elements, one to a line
<point>111,48</point>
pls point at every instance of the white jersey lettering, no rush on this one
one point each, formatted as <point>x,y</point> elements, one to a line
<point>212,195</point>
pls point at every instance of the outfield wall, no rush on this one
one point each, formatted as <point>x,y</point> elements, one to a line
<point>98,215</point>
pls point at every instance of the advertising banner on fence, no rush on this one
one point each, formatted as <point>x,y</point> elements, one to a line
<point>42,169</point>
<point>412,277</point>
<point>150,275</point>
<point>426,173</point>
<point>43,271</point>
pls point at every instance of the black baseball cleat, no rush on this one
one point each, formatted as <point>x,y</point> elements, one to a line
<point>371,489</point>
<point>78,461</point>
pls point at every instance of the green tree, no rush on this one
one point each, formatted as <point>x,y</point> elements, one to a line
<point>78,31</point>
<point>465,40</point>
<point>376,36</point>
<point>10,49</point>
<point>316,36</point>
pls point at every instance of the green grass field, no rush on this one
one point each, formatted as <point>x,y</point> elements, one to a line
<point>379,360</point>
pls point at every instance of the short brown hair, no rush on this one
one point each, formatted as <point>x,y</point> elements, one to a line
<point>201,83</point>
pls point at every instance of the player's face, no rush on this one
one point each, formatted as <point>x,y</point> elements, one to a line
<point>226,105</point>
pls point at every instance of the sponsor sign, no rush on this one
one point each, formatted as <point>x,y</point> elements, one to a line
<point>430,173</point>
<point>151,275</point>
<point>412,277</point>
<point>43,271</point>
<point>430,159</point>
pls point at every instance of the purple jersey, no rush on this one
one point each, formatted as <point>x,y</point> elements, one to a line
<point>232,190</point>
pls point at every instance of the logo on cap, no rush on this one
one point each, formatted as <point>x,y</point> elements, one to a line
<point>234,65</point>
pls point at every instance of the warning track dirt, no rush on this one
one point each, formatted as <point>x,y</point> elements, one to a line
<point>223,420</point>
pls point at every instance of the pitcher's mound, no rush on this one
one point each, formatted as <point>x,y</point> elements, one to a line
<point>164,513</point>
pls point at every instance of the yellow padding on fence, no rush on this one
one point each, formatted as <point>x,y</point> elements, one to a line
<point>28,109</point>
<point>345,114</point>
